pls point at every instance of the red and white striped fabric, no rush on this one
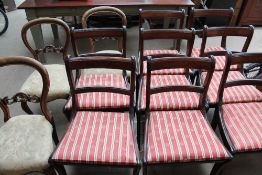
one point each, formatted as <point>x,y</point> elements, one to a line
<point>182,136</point>
<point>164,71</point>
<point>159,52</point>
<point>233,94</point>
<point>220,60</point>
<point>98,138</point>
<point>169,100</point>
<point>244,124</point>
<point>101,100</point>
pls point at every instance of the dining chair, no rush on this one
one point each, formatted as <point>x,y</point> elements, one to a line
<point>225,33</point>
<point>59,88</point>
<point>150,19</point>
<point>100,138</point>
<point>197,17</point>
<point>115,78</point>
<point>106,10</point>
<point>240,121</point>
<point>27,140</point>
<point>161,36</point>
<point>220,56</point>
<point>182,135</point>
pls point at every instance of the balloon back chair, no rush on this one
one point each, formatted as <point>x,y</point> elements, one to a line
<point>239,121</point>
<point>100,138</point>
<point>106,10</point>
<point>183,135</point>
<point>59,87</point>
<point>27,140</point>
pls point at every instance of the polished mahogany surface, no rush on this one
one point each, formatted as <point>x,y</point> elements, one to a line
<point>79,3</point>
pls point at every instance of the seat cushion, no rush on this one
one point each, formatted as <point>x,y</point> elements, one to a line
<point>182,136</point>
<point>59,86</point>
<point>163,71</point>
<point>97,138</point>
<point>101,100</point>
<point>160,52</point>
<point>21,149</point>
<point>169,100</point>
<point>220,60</point>
<point>235,94</point>
<point>110,51</point>
<point>244,124</point>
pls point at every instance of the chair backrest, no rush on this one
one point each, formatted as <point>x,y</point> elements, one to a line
<point>105,10</point>
<point>48,48</point>
<point>235,59</point>
<point>78,63</point>
<point>148,17</point>
<point>207,64</point>
<point>21,97</point>
<point>204,14</point>
<point>165,34</point>
<point>93,34</point>
<point>224,33</point>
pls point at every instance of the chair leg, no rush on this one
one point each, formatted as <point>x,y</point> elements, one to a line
<point>50,171</point>
<point>214,121</point>
<point>145,170</point>
<point>216,170</point>
<point>136,171</point>
<point>26,108</point>
<point>60,169</point>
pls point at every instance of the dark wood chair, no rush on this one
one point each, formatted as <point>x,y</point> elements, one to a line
<point>220,51</point>
<point>106,10</point>
<point>164,34</point>
<point>197,17</point>
<point>240,121</point>
<point>148,32</point>
<point>100,138</point>
<point>219,54</point>
<point>181,135</point>
<point>97,76</point>
<point>27,140</point>
<point>59,88</point>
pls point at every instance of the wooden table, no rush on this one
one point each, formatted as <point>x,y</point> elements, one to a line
<point>54,8</point>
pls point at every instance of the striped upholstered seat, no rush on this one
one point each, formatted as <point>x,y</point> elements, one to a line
<point>162,71</point>
<point>243,122</point>
<point>234,94</point>
<point>181,136</point>
<point>220,60</point>
<point>169,100</point>
<point>98,137</point>
<point>101,100</point>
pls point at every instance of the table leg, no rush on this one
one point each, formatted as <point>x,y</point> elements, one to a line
<point>55,33</point>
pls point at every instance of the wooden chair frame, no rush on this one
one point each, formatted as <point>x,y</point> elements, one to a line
<point>233,59</point>
<point>47,49</point>
<point>206,13</point>
<point>207,64</point>
<point>20,97</point>
<point>75,63</point>
<point>145,15</point>
<point>104,10</point>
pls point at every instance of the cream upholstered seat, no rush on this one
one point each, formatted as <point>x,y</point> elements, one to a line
<point>22,150</point>
<point>59,86</point>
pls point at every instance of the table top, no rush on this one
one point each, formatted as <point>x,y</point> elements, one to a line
<point>27,4</point>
